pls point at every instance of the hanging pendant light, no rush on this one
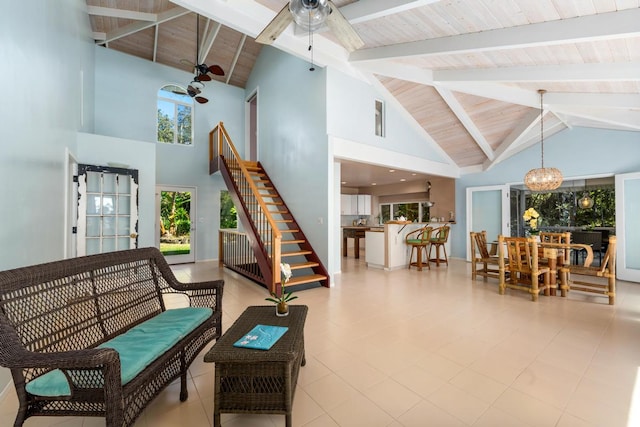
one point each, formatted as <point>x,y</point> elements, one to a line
<point>585,202</point>
<point>542,179</point>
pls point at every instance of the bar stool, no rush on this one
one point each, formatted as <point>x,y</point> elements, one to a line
<point>419,240</point>
<point>440,236</point>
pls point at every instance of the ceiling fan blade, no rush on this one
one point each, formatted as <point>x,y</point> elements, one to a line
<point>201,99</point>
<point>216,70</point>
<point>276,26</point>
<point>202,78</point>
<point>343,30</point>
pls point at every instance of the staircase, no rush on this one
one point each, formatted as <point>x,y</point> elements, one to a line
<point>271,233</point>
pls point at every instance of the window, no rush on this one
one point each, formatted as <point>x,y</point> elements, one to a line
<point>228,211</point>
<point>175,109</point>
<point>379,115</point>
<point>412,211</point>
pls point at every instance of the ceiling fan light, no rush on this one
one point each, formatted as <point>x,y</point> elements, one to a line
<point>309,14</point>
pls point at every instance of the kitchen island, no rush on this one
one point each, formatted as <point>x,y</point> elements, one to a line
<point>355,232</point>
<point>386,248</point>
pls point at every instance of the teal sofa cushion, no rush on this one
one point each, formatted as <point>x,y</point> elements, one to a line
<point>138,347</point>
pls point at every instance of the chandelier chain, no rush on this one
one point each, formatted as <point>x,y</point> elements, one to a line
<point>542,91</point>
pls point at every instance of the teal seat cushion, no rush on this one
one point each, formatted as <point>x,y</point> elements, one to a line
<point>138,347</point>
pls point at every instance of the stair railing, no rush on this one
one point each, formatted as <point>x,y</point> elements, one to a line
<point>264,226</point>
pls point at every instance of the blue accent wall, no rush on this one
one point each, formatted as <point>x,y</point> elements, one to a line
<point>292,138</point>
<point>577,152</point>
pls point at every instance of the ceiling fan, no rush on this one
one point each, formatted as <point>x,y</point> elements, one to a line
<point>310,15</point>
<point>202,71</point>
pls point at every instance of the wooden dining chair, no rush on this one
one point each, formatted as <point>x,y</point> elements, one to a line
<point>600,279</point>
<point>438,240</point>
<point>522,267</point>
<point>482,262</point>
<point>419,240</point>
<point>560,238</point>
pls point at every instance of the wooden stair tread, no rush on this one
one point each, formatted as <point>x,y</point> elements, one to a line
<point>295,253</point>
<point>291,242</point>
<point>306,279</point>
<point>299,265</point>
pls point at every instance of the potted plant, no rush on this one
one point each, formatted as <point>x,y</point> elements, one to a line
<point>282,308</point>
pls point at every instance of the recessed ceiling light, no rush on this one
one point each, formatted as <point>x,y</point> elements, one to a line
<point>402,180</point>
<point>414,174</point>
<point>392,170</point>
<point>373,183</point>
<point>343,182</point>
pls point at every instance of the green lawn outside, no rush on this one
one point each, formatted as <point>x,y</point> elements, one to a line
<point>175,248</point>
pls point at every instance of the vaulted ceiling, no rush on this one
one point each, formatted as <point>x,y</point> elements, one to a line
<point>467,71</point>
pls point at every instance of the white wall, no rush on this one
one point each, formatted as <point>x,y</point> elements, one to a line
<point>46,69</point>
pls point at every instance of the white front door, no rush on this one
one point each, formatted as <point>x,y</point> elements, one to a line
<point>107,209</point>
<point>487,209</point>
<point>628,226</point>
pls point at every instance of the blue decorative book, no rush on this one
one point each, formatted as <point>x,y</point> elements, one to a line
<point>261,337</point>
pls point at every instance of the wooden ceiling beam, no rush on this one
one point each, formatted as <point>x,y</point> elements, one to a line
<point>121,13</point>
<point>466,121</point>
<point>600,72</point>
<point>363,11</point>
<point>235,58</point>
<point>170,14</point>
<point>207,41</point>
<point>516,136</point>
<point>603,26</point>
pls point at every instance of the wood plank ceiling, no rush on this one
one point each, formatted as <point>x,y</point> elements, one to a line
<point>467,71</point>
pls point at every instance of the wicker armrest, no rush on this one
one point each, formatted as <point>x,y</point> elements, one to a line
<point>76,359</point>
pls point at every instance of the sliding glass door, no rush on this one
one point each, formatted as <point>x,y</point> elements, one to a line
<point>628,226</point>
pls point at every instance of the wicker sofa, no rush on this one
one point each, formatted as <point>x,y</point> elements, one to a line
<point>91,336</point>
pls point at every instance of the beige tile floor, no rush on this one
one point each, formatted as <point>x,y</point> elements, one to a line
<point>430,348</point>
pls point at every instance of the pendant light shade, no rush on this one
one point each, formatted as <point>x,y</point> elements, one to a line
<point>585,202</point>
<point>543,179</point>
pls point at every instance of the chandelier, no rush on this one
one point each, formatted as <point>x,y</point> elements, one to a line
<point>542,179</point>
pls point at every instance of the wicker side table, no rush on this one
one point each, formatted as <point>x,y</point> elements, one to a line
<point>258,381</point>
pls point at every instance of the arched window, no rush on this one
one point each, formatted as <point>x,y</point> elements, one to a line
<point>175,116</point>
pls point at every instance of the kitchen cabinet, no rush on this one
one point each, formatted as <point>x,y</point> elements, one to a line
<point>364,204</point>
<point>355,204</point>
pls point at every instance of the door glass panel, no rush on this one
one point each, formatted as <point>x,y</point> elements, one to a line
<point>124,205</point>
<point>93,182</point>
<point>109,183</point>
<point>93,205</point>
<point>109,226</point>
<point>123,226</point>
<point>631,209</point>
<point>93,246</point>
<point>124,185</point>
<point>93,226</point>
<point>123,242</point>
<point>108,245</point>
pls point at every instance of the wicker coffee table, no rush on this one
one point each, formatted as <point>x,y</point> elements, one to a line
<point>258,381</point>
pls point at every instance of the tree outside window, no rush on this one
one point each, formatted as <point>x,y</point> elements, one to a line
<point>175,111</point>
